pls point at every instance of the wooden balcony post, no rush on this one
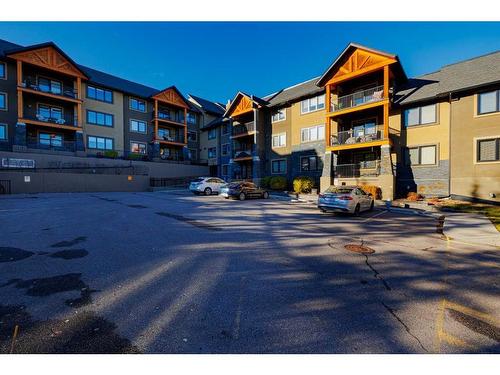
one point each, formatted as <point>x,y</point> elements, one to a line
<point>328,103</point>
<point>386,106</point>
<point>20,106</point>
<point>185,125</point>
<point>155,136</point>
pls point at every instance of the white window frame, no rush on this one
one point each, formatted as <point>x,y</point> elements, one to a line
<point>279,111</point>
<point>420,123</point>
<point>6,127</point>
<point>278,135</point>
<point>436,156</point>
<point>308,129</point>
<point>139,143</point>
<point>137,131</point>
<point>139,100</point>
<point>6,101</point>
<point>308,100</point>
<point>105,139</point>
<point>4,70</point>
<point>286,166</point>
<point>222,149</point>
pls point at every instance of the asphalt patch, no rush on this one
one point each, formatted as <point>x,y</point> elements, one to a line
<point>13,254</point>
<point>70,254</point>
<point>187,220</point>
<point>136,206</point>
<point>475,325</point>
<point>70,243</point>
<point>85,333</point>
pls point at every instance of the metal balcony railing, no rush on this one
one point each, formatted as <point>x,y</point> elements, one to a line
<point>52,120</point>
<point>64,91</point>
<point>172,138</point>
<point>244,153</point>
<point>358,98</point>
<point>364,169</point>
<point>164,115</point>
<point>244,128</point>
<point>54,144</point>
<point>358,135</point>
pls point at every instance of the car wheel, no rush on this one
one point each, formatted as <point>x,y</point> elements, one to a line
<point>371,206</point>
<point>242,196</point>
<point>208,191</point>
<point>356,210</point>
<point>265,195</point>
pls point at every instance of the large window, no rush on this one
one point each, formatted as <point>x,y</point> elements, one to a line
<point>212,133</point>
<point>138,126</point>
<point>99,118</point>
<point>3,71</point>
<point>488,149</point>
<point>3,101</point>
<point>313,133</point>
<point>191,118</point>
<point>166,134</point>
<point>3,132</point>
<point>53,140</point>
<point>488,102</point>
<point>310,163</point>
<point>212,152</point>
<point>278,166</point>
<point>192,154</point>
<point>279,115</point>
<point>279,140</point>
<point>420,115</point>
<point>312,104</point>
<point>138,147</point>
<point>99,143</point>
<point>46,112</point>
<point>225,149</point>
<point>137,105</point>
<point>364,127</point>
<point>99,94</point>
<point>192,136</point>
<point>421,155</point>
<point>50,85</point>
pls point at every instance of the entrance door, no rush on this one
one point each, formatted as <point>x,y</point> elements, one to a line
<point>213,171</point>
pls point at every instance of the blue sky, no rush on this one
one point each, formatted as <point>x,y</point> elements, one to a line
<point>216,59</point>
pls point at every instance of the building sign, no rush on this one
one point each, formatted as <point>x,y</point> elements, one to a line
<point>18,163</point>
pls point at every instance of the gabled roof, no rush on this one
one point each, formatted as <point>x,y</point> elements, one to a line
<point>465,75</point>
<point>208,106</point>
<point>166,95</point>
<point>351,47</point>
<point>253,98</point>
<point>294,93</point>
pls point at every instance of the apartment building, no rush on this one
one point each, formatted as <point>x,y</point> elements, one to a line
<point>51,104</point>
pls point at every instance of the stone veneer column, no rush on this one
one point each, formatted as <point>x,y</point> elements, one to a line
<point>326,179</point>
<point>79,146</point>
<point>20,137</point>
<point>155,150</point>
<point>386,177</point>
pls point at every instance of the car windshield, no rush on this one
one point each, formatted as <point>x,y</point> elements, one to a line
<point>199,179</point>
<point>338,190</point>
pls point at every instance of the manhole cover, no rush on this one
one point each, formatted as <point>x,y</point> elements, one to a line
<point>359,248</point>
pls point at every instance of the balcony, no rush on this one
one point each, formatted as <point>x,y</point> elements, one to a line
<point>364,169</point>
<point>29,85</point>
<point>243,129</point>
<point>358,136</point>
<point>165,116</point>
<point>54,144</point>
<point>66,122</point>
<point>176,139</point>
<point>359,98</point>
<point>244,154</point>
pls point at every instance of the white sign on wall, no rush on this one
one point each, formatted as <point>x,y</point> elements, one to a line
<point>18,163</point>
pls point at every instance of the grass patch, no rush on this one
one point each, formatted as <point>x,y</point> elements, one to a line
<point>490,211</point>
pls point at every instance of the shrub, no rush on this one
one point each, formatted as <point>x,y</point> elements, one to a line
<point>375,191</point>
<point>303,184</point>
<point>111,154</point>
<point>278,183</point>
<point>135,156</point>
<point>265,182</point>
<point>412,196</point>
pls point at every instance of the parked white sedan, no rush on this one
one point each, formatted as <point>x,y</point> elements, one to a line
<point>206,185</point>
<point>350,199</point>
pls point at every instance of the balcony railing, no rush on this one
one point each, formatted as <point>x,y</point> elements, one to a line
<point>163,115</point>
<point>65,91</point>
<point>364,169</point>
<point>52,144</point>
<point>244,153</point>
<point>358,98</point>
<point>172,138</point>
<point>52,120</point>
<point>357,135</point>
<point>244,128</point>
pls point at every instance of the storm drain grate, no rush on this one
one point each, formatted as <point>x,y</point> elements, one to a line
<point>355,248</point>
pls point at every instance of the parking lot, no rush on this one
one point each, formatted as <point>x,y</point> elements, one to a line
<point>170,272</point>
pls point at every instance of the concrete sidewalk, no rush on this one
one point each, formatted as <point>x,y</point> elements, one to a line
<point>473,228</point>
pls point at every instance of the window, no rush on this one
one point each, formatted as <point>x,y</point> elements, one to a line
<point>99,94</point>
<point>420,115</point>
<point>3,71</point>
<point>488,150</point>
<point>3,132</point>
<point>192,154</point>
<point>279,115</point>
<point>212,152</point>
<point>488,102</point>
<point>99,118</point>
<point>99,143</point>
<point>278,166</point>
<point>50,85</point>
<point>54,140</point>
<point>364,127</point>
<point>138,148</point>
<point>225,129</point>
<point>192,136</point>
<point>279,140</point>
<point>191,118</point>
<point>225,170</point>
<point>138,126</point>
<point>312,104</point>
<point>313,133</point>
<point>310,163</point>
<point>421,155</point>
<point>212,133</point>
<point>46,112</point>
<point>3,101</point>
<point>225,149</point>
<point>137,105</point>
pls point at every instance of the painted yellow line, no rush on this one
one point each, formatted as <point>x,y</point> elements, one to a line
<point>474,313</point>
<point>455,341</point>
<point>470,243</point>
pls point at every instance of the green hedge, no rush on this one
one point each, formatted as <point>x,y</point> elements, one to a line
<point>111,154</point>
<point>265,182</point>
<point>274,182</point>
<point>303,184</point>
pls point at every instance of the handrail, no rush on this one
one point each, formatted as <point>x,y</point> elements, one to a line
<point>358,135</point>
<point>358,98</point>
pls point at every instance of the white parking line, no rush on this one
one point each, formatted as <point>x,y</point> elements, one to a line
<point>373,216</point>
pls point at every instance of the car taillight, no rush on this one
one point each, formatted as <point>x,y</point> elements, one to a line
<point>346,198</point>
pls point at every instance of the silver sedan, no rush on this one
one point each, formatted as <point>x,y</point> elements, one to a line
<point>351,199</point>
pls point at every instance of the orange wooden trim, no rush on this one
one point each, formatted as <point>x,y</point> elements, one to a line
<point>49,95</point>
<point>155,137</point>
<point>47,124</point>
<point>244,134</point>
<point>20,108</point>
<point>359,145</point>
<point>358,108</point>
<point>172,143</point>
<point>361,72</point>
<point>170,122</point>
<point>79,87</point>
<point>19,73</point>
<point>246,158</point>
<point>185,125</point>
<point>79,117</point>
<point>386,106</point>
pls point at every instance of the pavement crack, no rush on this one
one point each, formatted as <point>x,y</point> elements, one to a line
<point>393,313</point>
<point>376,274</point>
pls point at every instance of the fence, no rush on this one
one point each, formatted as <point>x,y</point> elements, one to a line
<point>4,186</point>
